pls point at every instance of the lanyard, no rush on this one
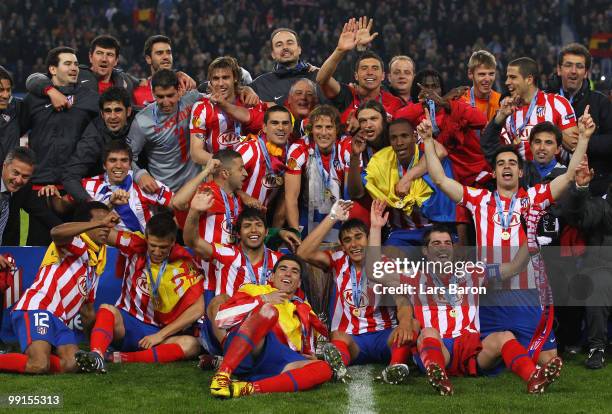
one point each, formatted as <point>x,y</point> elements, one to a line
<point>432,115</point>
<point>400,169</point>
<point>570,99</point>
<point>264,151</point>
<point>517,132</point>
<point>89,278</point>
<point>228,213</point>
<point>473,104</point>
<point>264,269</point>
<point>155,282</point>
<point>325,177</point>
<point>451,300</point>
<point>357,287</point>
<point>503,218</point>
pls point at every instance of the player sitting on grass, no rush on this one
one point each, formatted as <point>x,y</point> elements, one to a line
<point>67,280</point>
<point>247,261</point>
<point>161,295</point>
<point>362,332</point>
<point>270,340</point>
<point>449,342</point>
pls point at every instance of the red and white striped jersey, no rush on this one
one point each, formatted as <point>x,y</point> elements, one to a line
<point>261,184</point>
<point>140,202</point>
<point>214,227</point>
<point>300,152</point>
<point>433,310</point>
<point>371,317</point>
<point>219,130</point>
<point>549,107</point>
<point>231,271</point>
<point>492,247</point>
<point>135,297</point>
<point>62,287</point>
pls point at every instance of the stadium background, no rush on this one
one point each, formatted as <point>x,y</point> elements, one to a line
<point>436,34</point>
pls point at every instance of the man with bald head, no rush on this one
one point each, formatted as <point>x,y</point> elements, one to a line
<point>288,68</point>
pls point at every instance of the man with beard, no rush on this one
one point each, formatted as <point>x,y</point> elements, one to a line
<point>288,68</point>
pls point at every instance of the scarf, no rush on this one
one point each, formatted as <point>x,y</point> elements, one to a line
<point>382,175</point>
<point>96,254</point>
<point>545,169</point>
<point>128,217</point>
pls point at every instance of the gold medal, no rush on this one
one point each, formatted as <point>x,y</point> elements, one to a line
<point>453,313</point>
<point>328,193</point>
<point>157,302</point>
<point>279,180</point>
<point>356,312</point>
<point>505,235</point>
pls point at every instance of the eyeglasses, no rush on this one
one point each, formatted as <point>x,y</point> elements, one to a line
<point>569,65</point>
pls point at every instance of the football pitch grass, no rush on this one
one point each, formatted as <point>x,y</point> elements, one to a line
<point>183,388</point>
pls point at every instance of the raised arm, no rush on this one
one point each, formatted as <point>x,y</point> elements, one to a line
<point>354,183</point>
<point>449,186</point>
<point>309,249</point>
<point>586,127</point>
<point>183,196</point>
<point>199,205</point>
<point>346,43</point>
<point>64,233</point>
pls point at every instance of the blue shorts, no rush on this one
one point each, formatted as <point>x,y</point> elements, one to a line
<point>449,343</point>
<point>207,337</point>
<point>270,362</point>
<point>135,330</point>
<point>373,347</point>
<point>519,312</point>
<point>41,325</point>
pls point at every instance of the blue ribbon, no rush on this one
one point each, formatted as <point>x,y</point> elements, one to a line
<point>432,115</point>
<point>264,150</point>
<point>126,213</point>
<point>562,93</point>
<point>155,282</point>
<point>357,287</point>
<point>264,269</point>
<point>228,213</point>
<point>545,169</point>
<point>517,132</point>
<point>503,218</point>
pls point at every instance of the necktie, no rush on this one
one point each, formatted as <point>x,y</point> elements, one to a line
<point>4,211</point>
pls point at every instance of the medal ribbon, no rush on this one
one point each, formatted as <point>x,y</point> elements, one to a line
<point>228,213</point>
<point>357,287</point>
<point>264,269</point>
<point>503,218</point>
<point>517,132</point>
<point>452,301</point>
<point>154,283</point>
<point>432,115</point>
<point>325,176</point>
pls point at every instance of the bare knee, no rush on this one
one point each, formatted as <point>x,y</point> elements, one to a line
<point>213,306</point>
<point>427,333</point>
<point>37,366</point>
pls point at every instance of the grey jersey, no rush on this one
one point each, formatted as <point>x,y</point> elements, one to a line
<point>165,140</point>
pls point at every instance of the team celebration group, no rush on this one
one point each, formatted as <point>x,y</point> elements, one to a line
<point>226,199</point>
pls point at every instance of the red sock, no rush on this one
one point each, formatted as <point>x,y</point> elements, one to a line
<point>431,352</point>
<point>296,379</point>
<point>102,332</point>
<point>517,359</point>
<point>160,353</point>
<point>344,351</point>
<point>250,334</point>
<point>55,364</point>
<point>400,354</point>
<point>13,363</point>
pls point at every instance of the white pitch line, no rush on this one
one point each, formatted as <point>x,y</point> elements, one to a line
<point>360,391</point>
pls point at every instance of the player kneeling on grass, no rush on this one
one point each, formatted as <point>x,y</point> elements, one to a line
<point>362,332</point>
<point>270,339</point>
<point>449,342</point>
<point>67,280</point>
<point>161,295</point>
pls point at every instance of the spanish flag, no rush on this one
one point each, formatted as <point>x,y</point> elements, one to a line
<point>601,45</point>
